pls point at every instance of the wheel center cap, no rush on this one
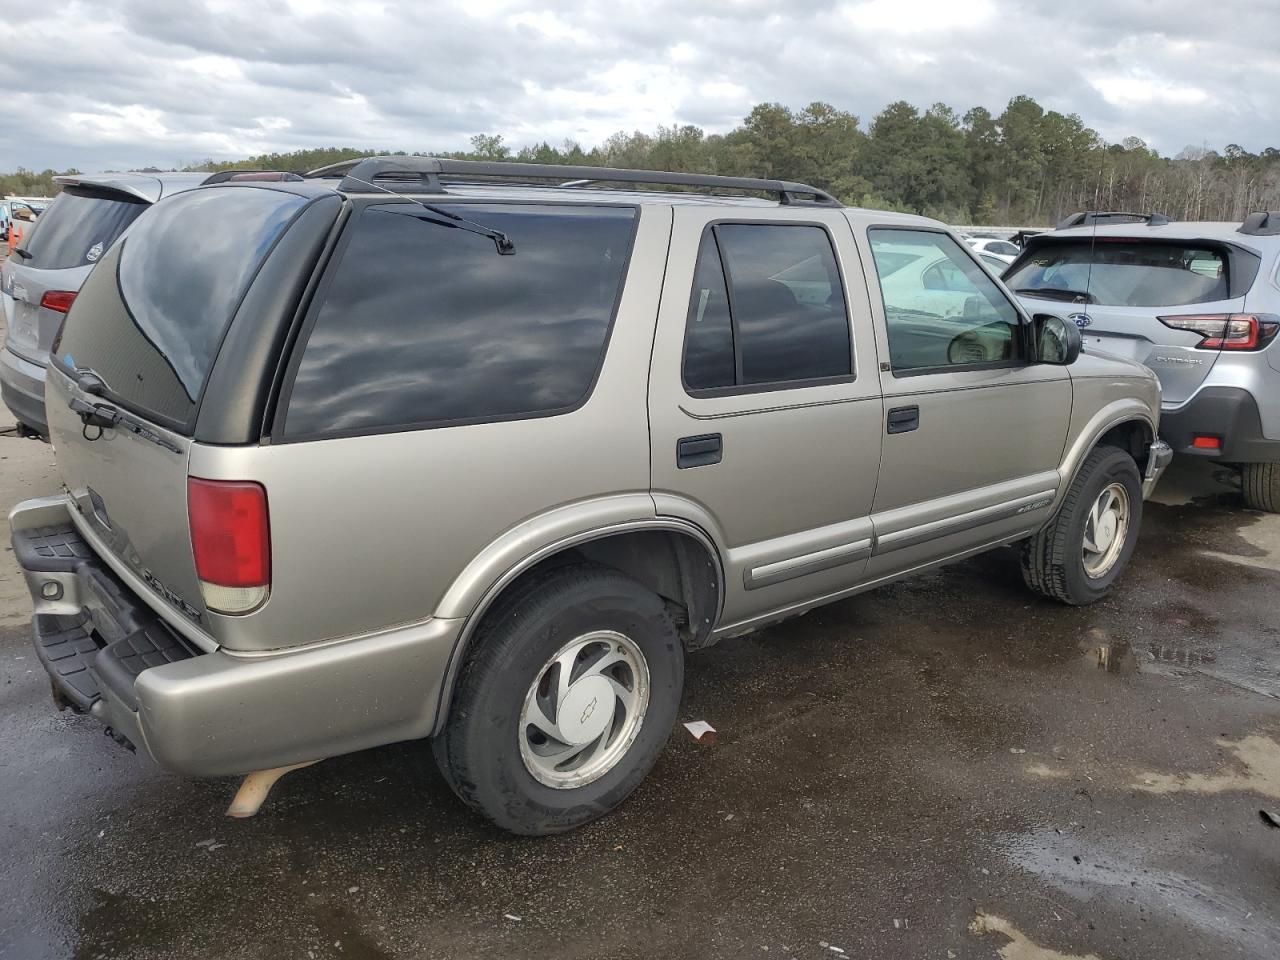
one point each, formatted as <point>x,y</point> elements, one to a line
<point>1108,532</point>
<point>586,710</point>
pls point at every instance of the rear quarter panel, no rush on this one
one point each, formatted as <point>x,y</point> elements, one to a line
<point>370,532</point>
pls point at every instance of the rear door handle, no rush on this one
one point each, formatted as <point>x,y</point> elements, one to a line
<point>699,451</point>
<point>904,419</point>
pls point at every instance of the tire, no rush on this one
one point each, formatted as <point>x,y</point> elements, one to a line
<point>1261,483</point>
<point>482,750</point>
<point>1054,562</point>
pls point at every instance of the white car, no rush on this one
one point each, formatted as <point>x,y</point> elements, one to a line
<point>1002,249</point>
<point>996,263</point>
<point>924,279</point>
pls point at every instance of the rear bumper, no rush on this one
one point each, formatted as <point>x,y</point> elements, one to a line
<point>22,388</point>
<point>1228,413</point>
<point>214,714</point>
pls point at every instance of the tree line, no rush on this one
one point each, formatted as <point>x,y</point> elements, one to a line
<point>1024,166</point>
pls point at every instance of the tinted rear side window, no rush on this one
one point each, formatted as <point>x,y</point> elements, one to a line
<point>78,228</point>
<point>768,309</point>
<point>1123,274</point>
<point>425,324</point>
<point>151,315</point>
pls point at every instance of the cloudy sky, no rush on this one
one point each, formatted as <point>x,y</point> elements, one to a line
<point>127,83</point>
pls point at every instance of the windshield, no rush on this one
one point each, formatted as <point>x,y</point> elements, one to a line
<point>151,316</point>
<point>78,228</point>
<point>1123,274</point>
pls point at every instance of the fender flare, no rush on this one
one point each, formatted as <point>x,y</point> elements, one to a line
<point>1115,414</point>
<point>513,554</point>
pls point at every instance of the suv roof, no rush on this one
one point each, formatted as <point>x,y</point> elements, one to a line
<point>1222,231</point>
<point>1140,226</point>
<point>153,186</point>
<point>145,186</point>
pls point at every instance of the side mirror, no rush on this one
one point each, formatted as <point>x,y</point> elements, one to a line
<point>1057,341</point>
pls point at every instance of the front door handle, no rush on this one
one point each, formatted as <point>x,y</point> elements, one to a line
<point>904,419</point>
<point>699,451</point>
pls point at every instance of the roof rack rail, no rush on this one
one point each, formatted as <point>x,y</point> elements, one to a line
<point>1264,223</point>
<point>238,176</point>
<point>1088,218</point>
<point>424,174</point>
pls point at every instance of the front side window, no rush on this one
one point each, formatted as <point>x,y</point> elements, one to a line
<point>942,310</point>
<point>425,324</point>
<point>1125,273</point>
<point>768,308</point>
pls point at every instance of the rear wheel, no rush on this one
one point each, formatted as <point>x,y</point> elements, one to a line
<point>566,701</point>
<point>1261,483</point>
<point>1081,553</point>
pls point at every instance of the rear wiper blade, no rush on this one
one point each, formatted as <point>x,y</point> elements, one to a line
<point>447,219</point>
<point>1057,293</point>
<point>23,252</point>
<point>104,415</point>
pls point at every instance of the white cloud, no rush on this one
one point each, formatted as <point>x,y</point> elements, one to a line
<point>916,17</point>
<point>131,84</point>
<point>1145,90</point>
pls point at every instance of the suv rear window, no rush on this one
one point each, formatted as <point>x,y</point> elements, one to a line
<point>78,227</point>
<point>151,316</point>
<point>1123,274</point>
<point>425,324</point>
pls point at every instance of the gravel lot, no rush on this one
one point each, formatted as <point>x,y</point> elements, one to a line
<point>945,768</point>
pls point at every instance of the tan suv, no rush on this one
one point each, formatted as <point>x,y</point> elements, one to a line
<point>476,451</point>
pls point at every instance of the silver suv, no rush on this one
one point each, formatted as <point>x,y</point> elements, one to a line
<point>477,451</point>
<point>1199,303</point>
<point>39,282</point>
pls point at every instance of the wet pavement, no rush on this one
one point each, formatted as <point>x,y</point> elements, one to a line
<point>945,768</point>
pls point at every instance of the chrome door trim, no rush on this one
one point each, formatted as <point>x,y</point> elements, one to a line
<point>924,532</point>
<point>760,620</point>
<point>774,409</point>
<point>767,574</point>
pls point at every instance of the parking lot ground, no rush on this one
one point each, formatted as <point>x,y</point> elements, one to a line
<point>944,768</point>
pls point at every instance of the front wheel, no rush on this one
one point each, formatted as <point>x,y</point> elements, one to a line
<point>1078,557</point>
<point>566,701</point>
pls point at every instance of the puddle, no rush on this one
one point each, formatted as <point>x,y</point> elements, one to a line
<point>1114,657</point>
<point>1260,757</point>
<point>1246,658</point>
<point>1019,947</point>
<point>1180,656</point>
<point>1133,874</point>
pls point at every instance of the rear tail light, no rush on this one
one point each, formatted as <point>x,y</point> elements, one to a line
<point>58,301</point>
<point>1228,331</point>
<point>231,540</point>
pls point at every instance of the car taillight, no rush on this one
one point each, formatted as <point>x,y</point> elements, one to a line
<point>1228,331</point>
<point>231,540</point>
<point>58,301</point>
